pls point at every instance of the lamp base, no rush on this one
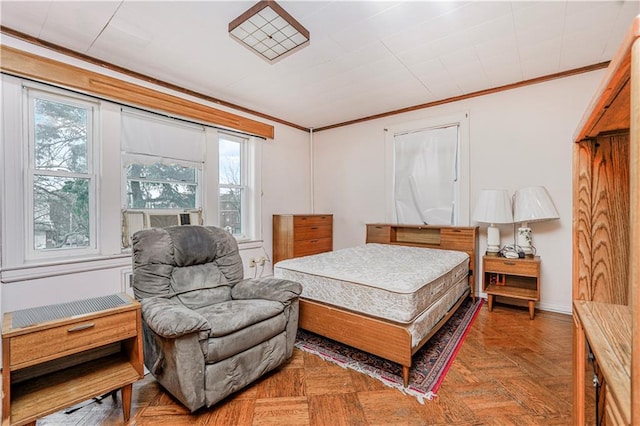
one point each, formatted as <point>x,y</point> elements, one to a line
<point>524,241</point>
<point>493,240</point>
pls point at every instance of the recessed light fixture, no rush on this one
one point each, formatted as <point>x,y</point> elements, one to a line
<point>268,30</point>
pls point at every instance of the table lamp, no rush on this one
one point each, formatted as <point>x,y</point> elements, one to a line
<point>493,207</point>
<point>531,204</point>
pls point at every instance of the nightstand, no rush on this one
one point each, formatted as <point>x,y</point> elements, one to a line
<point>59,355</point>
<point>512,278</point>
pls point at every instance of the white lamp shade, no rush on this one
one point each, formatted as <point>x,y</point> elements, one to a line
<point>493,206</point>
<point>533,204</point>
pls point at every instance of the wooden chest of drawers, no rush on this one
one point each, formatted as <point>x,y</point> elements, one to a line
<point>301,235</point>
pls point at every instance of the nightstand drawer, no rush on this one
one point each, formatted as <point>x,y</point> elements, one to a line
<point>501,265</point>
<point>38,346</point>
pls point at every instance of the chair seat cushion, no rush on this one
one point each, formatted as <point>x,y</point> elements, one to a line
<point>237,325</point>
<point>233,315</point>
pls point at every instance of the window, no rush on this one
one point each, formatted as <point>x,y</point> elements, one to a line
<point>60,174</point>
<point>426,175</point>
<point>80,175</point>
<point>177,172</point>
<point>162,172</point>
<point>232,184</point>
<point>427,171</point>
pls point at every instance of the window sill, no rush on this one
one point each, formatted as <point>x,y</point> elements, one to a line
<point>40,270</point>
<point>249,244</point>
<point>34,271</point>
<point>242,245</point>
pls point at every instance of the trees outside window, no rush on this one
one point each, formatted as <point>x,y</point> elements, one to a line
<point>61,172</point>
<point>161,186</point>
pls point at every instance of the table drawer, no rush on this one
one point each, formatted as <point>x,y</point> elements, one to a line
<point>312,220</point>
<point>305,248</point>
<point>501,265</point>
<point>312,232</point>
<point>70,338</point>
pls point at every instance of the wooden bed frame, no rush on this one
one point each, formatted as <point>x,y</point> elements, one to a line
<point>387,339</point>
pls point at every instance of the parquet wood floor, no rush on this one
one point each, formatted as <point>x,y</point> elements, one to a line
<point>509,371</point>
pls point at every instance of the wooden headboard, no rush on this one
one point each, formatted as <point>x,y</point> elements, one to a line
<point>461,238</point>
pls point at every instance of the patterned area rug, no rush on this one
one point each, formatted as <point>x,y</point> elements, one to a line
<point>430,363</point>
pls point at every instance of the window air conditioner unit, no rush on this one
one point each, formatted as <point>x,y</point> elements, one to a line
<point>135,220</point>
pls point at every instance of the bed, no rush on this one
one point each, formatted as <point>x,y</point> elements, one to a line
<point>349,295</point>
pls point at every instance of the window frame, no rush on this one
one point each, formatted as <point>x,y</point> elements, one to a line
<point>141,154</point>
<point>208,178</point>
<point>462,194</point>
<point>244,186</point>
<point>18,265</point>
<point>404,142</point>
<point>30,94</point>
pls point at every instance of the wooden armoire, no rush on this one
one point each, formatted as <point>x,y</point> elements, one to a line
<point>606,243</point>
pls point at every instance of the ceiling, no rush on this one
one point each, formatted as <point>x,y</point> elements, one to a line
<point>365,57</point>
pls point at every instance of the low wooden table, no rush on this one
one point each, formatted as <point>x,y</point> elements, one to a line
<point>59,355</point>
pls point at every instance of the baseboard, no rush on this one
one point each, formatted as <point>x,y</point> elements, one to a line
<point>550,307</point>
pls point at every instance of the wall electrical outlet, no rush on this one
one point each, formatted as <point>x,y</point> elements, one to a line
<point>252,263</point>
<point>262,260</point>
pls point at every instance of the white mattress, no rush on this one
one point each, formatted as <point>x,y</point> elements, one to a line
<point>397,283</point>
<point>423,325</point>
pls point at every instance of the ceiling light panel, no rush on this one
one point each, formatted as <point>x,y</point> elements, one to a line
<point>269,31</point>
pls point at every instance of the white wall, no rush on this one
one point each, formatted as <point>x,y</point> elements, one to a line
<point>285,180</point>
<point>518,138</point>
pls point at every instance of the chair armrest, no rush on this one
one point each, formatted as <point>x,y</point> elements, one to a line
<point>275,289</point>
<point>170,319</point>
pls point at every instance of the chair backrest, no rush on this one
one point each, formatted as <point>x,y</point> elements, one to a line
<point>196,264</point>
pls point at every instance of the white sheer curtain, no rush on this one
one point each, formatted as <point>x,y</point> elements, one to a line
<point>425,176</point>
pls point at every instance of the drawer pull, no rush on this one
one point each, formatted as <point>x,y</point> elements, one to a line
<point>313,241</point>
<point>81,327</point>
<point>509,262</point>
<point>314,227</point>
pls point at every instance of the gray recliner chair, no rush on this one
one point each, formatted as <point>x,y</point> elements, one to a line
<point>207,331</point>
